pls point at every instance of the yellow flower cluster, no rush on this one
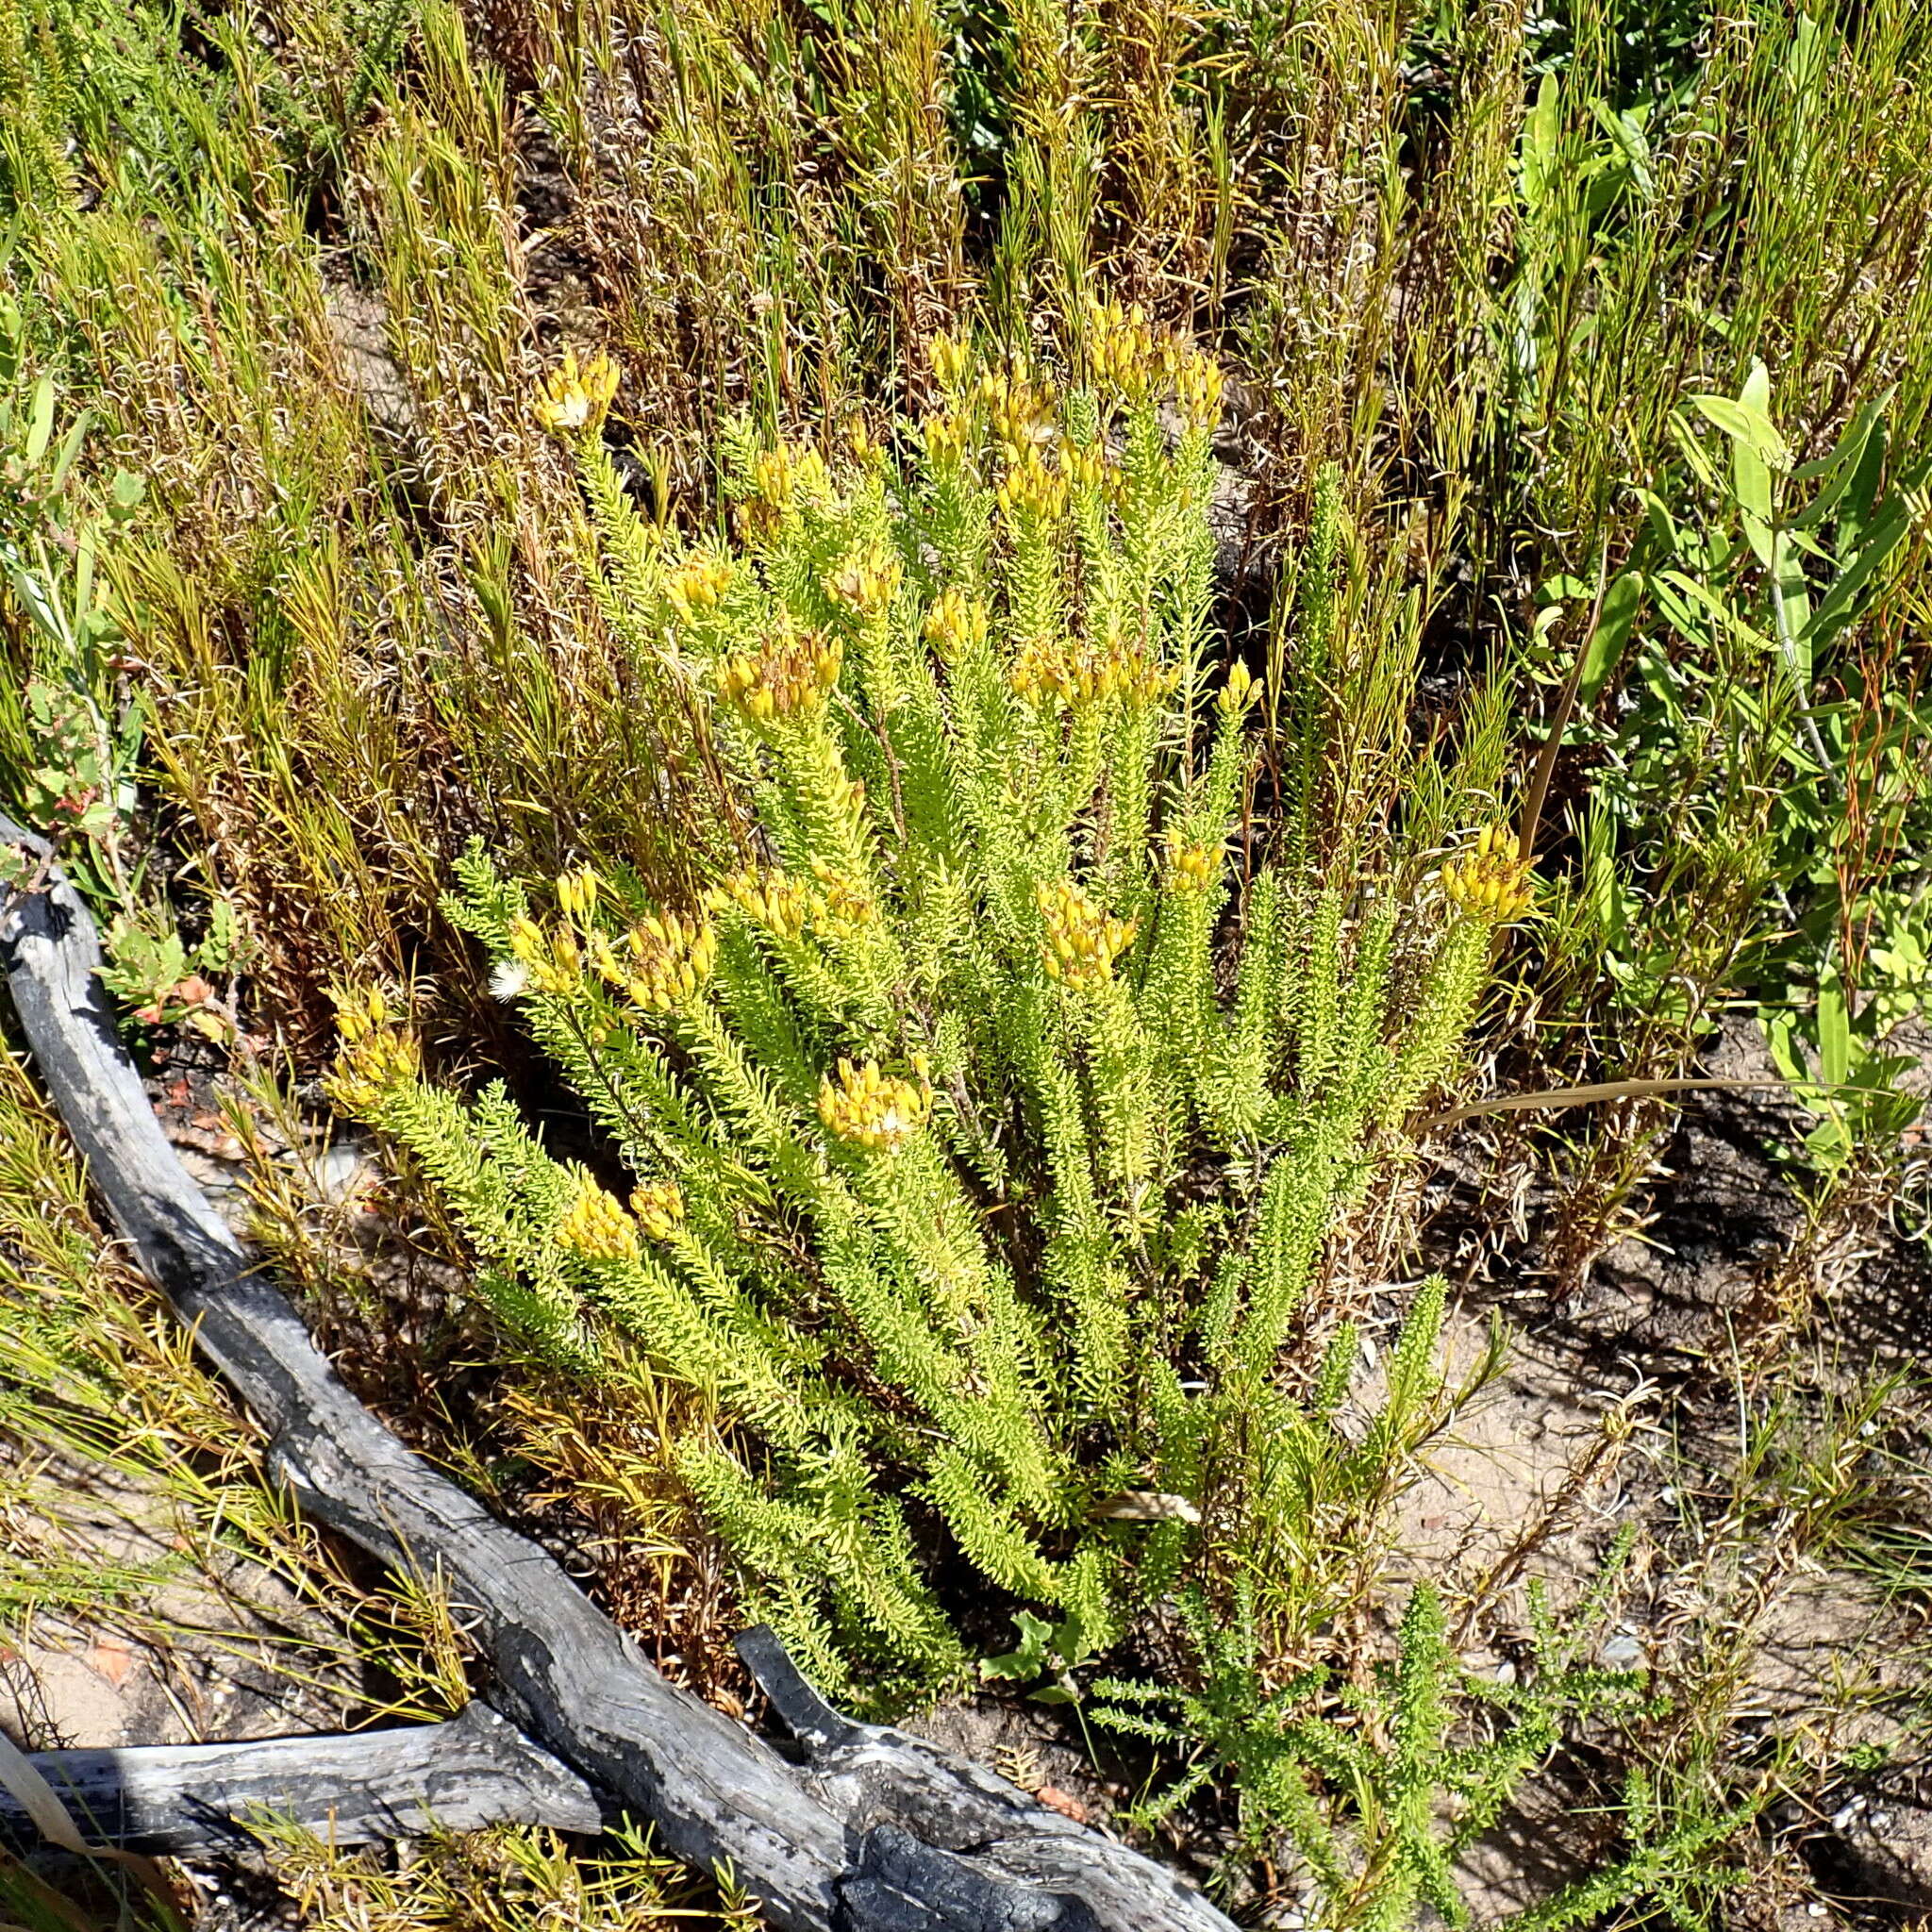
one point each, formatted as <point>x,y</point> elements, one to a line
<point>1491,882</point>
<point>596,1225</point>
<point>946,437</point>
<point>878,1110</point>
<point>952,360</point>
<point>1192,868</point>
<point>570,398</point>
<point>1242,690</point>
<point>865,580</point>
<point>552,962</point>
<point>842,905</point>
<point>1078,671</point>
<point>954,621</point>
<point>577,892</point>
<point>770,899</point>
<point>1082,940</point>
<point>376,1056</point>
<point>1120,347</point>
<point>659,1208</point>
<point>792,674</point>
<point>1032,492</point>
<point>699,585</point>
<point>1086,469</point>
<point>660,962</point>
<point>788,473</point>
<point>1020,410</point>
<point>1197,389</point>
<point>866,448</point>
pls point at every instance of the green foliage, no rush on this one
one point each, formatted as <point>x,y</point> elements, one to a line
<point>70,734</point>
<point>1376,1788</point>
<point>924,1103</point>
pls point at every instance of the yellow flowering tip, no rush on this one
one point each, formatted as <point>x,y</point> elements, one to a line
<point>595,1226</point>
<point>866,448</point>
<point>1198,389</point>
<point>871,1108</point>
<point>1192,868</point>
<point>865,580</point>
<point>1084,469</point>
<point>660,961</point>
<point>770,899</point>
<point>698,585</point>
<point>792,674</point>
<point>954,622</point>
<point>946,438</point>
<point>1120,349</point>
<point>376,1056</point>
<point>1242,689</point>
<point>790,473</point>
<point>844,906</point>
<point>1078,671</point>
<point>951,356</point>
<point>1031,493</point>
<point>578,892</point>
<point>1490,882</point>
<point>1080,939</point>
<point>571,399</point>
<point>660,1209</point>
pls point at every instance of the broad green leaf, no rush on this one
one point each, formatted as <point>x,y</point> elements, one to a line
<point>1747,426</point>
<point>1834,1031</point>
<point>1843,454</point>
<point>1780,1036</point>
<point>1688,588</point>
<point>1894,518</point>
<point>1543,128</point>
<point>1862,492</point>
<point>1691,450</point>
<point>40,420</point>
<point>1604,649</point>
<point>70,449</point>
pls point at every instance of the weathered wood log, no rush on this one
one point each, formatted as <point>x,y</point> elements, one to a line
<point>876,1832</point>
<point>473,1771</point>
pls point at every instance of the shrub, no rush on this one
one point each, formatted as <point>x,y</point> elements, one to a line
<point>985,1128</point>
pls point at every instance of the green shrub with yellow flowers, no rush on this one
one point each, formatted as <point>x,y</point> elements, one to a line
<point>987,1126</point>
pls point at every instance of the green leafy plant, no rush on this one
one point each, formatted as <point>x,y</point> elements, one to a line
<point>1378,1788</point>
<point>72,741</point>
<point>986,1126</point>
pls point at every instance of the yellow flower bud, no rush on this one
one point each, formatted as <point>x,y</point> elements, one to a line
<point>792,676</point>
<point>1030,492</point>
<point>376,1056</point>
<point>952,360</point>
<point>1192,868</point>
<point>699,586</point>
<point>659,1208</point>
<point>569,399</point>
<point>865,580</point>
<point>1242,690</point>
<point>955,621</point>
<point>1081,941</point>
<point>1490,882</point>
<point>595,1226</point>
<point>662,961</point>
<point>877,1111</point>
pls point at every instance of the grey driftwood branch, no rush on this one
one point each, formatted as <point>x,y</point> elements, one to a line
<point>476,1770</point>
<point>856,1828</point>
